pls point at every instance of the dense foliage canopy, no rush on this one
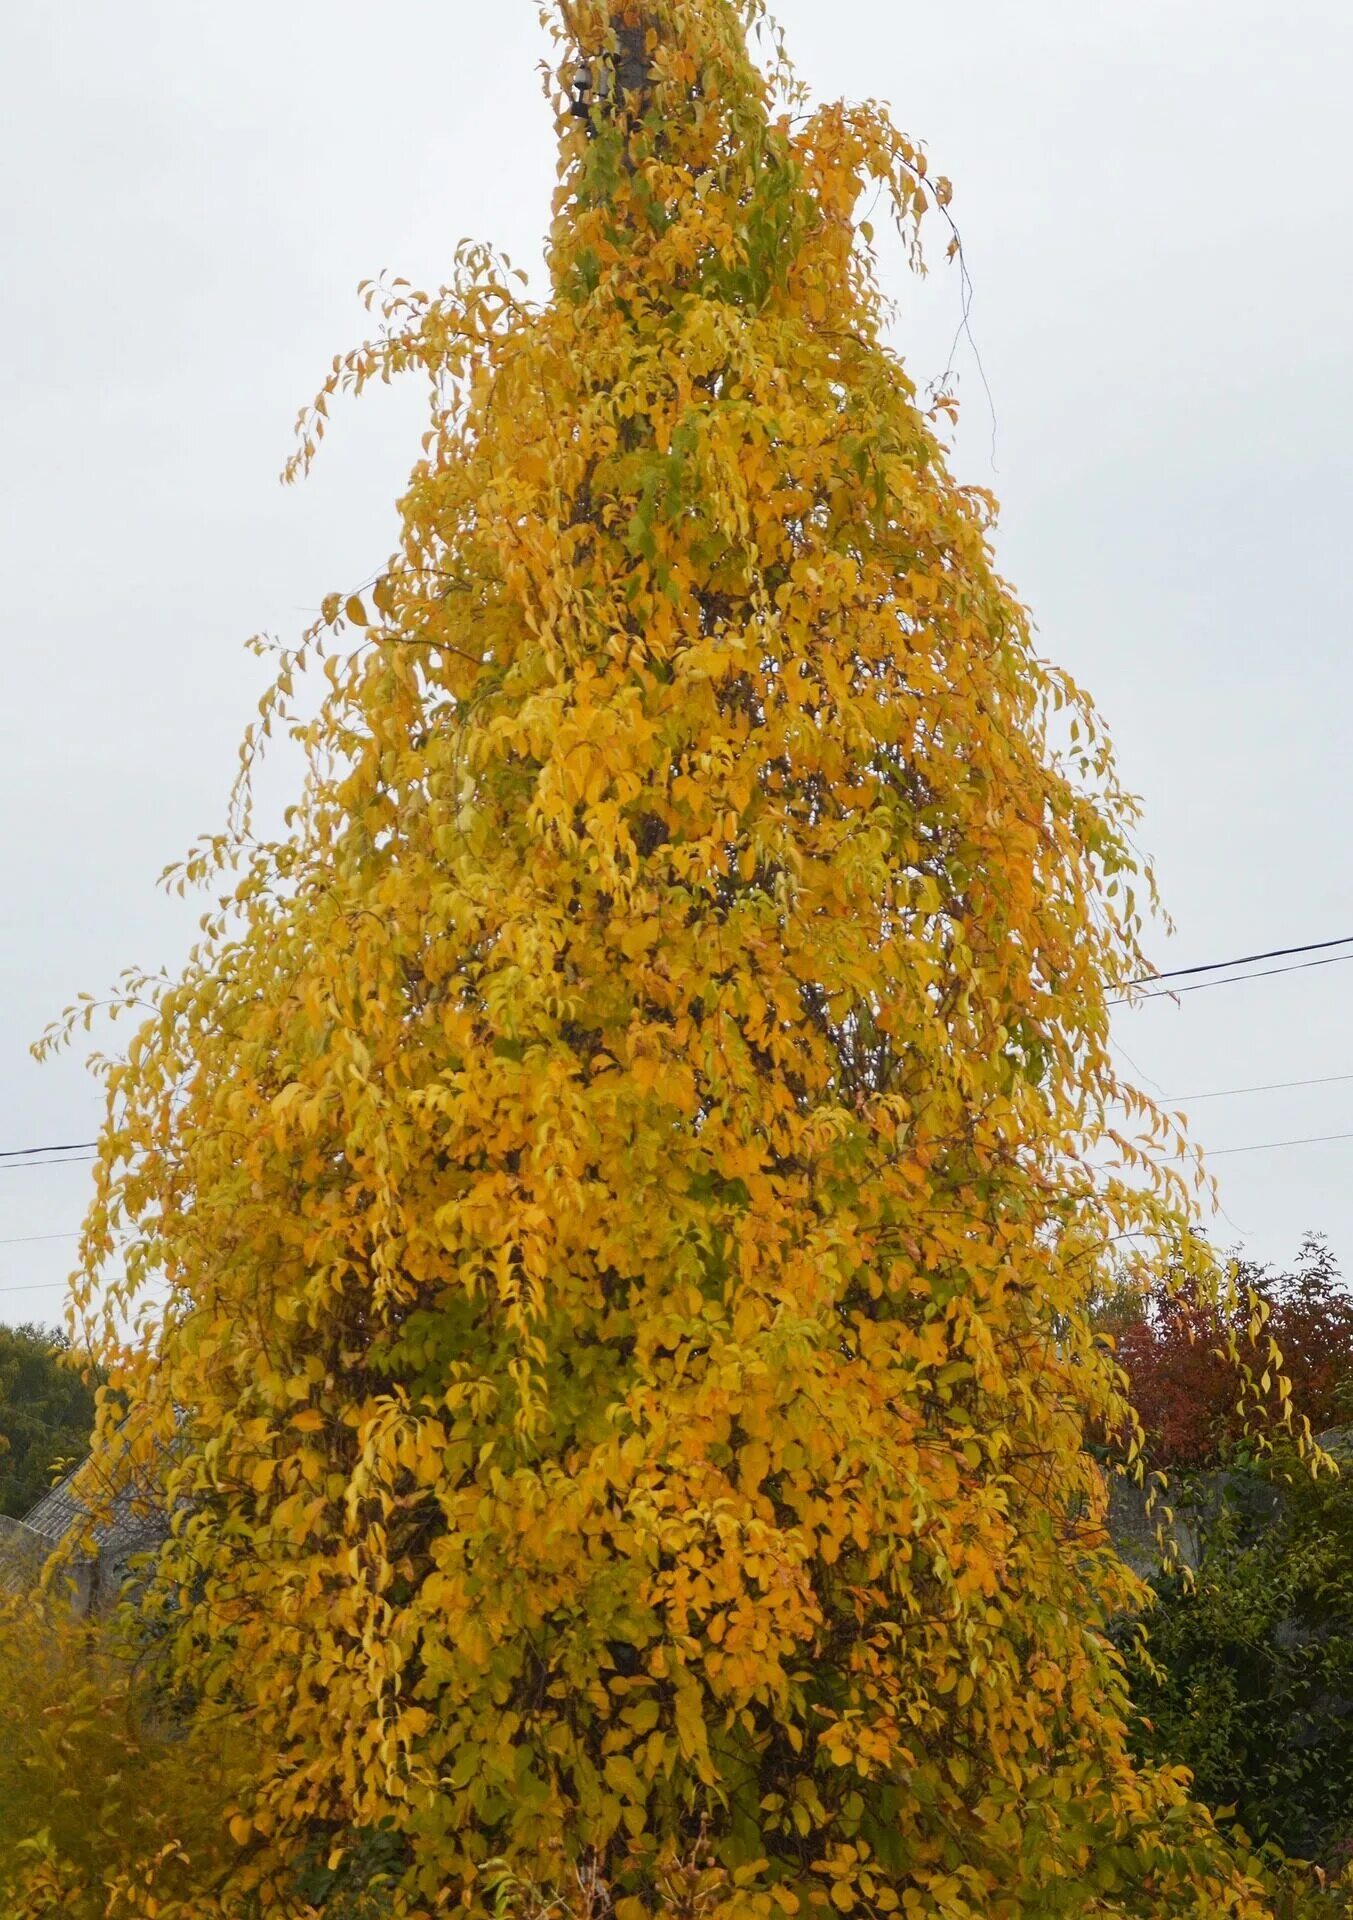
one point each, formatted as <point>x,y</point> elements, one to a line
<point>631,1164</point>
<point>46,1414</point>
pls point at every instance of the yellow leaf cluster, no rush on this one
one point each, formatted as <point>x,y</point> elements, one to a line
<point>626,1166</point>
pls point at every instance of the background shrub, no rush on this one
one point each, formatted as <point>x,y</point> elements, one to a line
<point>1252,1687</point>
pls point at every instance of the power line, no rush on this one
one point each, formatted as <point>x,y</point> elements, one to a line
<point>1201,986</point>
<point>90,1147</point>
<point>50,1286</point>
<point>1272,1086</point>
<point>26,1153</point>
<point>1204,1154</point>
<point>1241,960</point>
<point>81,1152</point>
<point>27,1166</point>
<point>1263,1146</point>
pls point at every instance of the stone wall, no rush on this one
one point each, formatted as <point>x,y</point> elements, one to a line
<point>1187,1508</point>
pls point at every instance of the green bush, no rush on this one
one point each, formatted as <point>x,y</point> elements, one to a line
<point>103,1812</point>
<point>1252,1687</point>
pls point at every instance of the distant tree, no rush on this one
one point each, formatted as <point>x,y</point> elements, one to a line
<point>1192,1395</point>
<point>46,1414</point>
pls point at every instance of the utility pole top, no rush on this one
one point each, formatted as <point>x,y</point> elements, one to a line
<point>606,78</point>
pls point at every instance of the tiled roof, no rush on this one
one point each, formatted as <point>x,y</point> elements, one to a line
<point>22,1553</point>
<point>130,1522</point>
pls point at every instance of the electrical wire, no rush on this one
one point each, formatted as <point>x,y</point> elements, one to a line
<point>31,1239</point>
<point>1262,1146</point>
<point>27,1166</point>
<point>50,1286</point>
<point>1241,960</point>
<point>81,1152</point>
<point>1273,1086</point>
<point>26,1153</point>
<point>1201,986</point>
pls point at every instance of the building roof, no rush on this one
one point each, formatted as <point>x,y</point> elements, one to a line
<point>130,1519</point>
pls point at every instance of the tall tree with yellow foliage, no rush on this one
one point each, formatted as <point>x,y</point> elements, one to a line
<point>628,1165</point>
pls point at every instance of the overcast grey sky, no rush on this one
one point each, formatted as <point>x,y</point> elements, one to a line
<point>1153,197</point>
